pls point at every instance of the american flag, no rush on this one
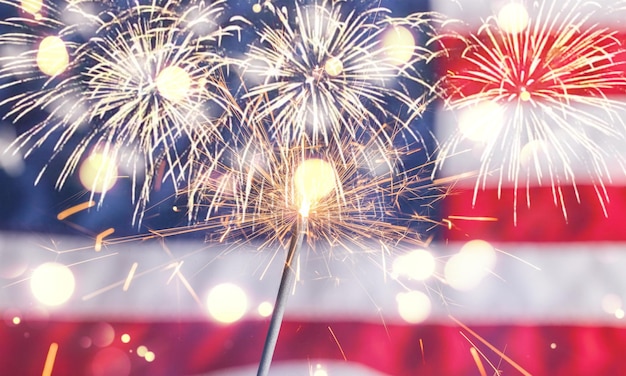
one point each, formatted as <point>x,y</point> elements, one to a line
<point>549,299</point>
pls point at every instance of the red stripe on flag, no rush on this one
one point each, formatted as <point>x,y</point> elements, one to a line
<point>543,221</point>
<point>461,54</point>
<point>200,347</point>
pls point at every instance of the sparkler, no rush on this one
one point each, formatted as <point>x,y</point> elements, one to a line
<point>541,92</point>
<point>146,81</point>
<point>335,195</point>
<point>253,192</point>
<point>326,65</point>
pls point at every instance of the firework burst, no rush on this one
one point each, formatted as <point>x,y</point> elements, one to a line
<point>327,69</point>
<point>540,89</point>
<point>142,84</point>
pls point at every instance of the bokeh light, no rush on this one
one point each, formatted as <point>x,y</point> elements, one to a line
<point>413,306</point>
<point>31,6</point>
<point>52,283</point>
<point>481,122</point>
<point>102,334</point>
<point>173,83</point>
<point>466,269</point>
<point>399,44</point>
<point>333,66</point>
<point>52,57</point>
<point>98,172</point>
<point>320,371</point>
<point>265,309</point>
<point>417,265</point>
<point>110,361</point>
<point>611,303</point>
<point>149,357</point>
<point>533,152</point>
<point>125,338</point>
<point>513,18</point>
<point>227,303</point>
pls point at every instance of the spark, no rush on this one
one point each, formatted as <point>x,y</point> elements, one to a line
<point>100,237</point>
<point>492,347</point>
<point>50,358</point>
<point>343,354</point>
<point>541,99</point>
<point>145,85</point>
<point>470,218</point>
<point>75,209</point>
<point>326,70</point>
<point>479,363</point>
<point>129,278</point>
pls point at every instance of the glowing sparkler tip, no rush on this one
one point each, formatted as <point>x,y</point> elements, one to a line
<point>313,180</point>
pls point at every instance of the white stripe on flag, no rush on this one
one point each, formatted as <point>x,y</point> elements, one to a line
<point>571,284</point>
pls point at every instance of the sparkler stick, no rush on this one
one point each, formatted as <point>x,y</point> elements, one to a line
<point>312,180</point>
<point>286,285</point>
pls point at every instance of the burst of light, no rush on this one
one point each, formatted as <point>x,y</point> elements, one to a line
<point>16,320</point>
<point>513,18</point>
<point>552,81</point>
<point>553,345</point>
<point>98,172</point>
<point>466,269</point>
<point>413,306</point>
<point>265,309</point>
<point>417,265</point>
<point>399,44</point>
<point>142,80</point>
<point>329,68</point>
<point>227,303</point>
<point>52,57</point>
<point>173,83</point>
<point>260,200</point>
<point>52,284</point>
<point>313,179</point>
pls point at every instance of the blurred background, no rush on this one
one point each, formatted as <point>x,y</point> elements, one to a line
<point>498,288</point>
